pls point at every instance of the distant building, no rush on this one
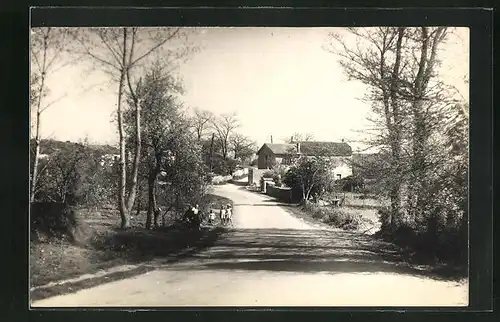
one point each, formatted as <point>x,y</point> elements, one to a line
<point>271,154</point>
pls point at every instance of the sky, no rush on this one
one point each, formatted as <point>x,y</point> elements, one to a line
<point>277,80</point>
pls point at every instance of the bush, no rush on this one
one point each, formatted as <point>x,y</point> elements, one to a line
<point>309,175</point>
<point>268,174</point>
<point>223,166</point>
<point>76,174</point>
<point>351,184</point>
<point>432,237</point>
<point>335,217</point>
<point>52,220</point>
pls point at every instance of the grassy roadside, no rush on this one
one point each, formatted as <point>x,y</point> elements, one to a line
<point>138,248</point>
<point>107,247</point>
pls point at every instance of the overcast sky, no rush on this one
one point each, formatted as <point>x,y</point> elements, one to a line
<point>277,80</point>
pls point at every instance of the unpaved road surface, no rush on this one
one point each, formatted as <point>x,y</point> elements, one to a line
<point>271,258</point>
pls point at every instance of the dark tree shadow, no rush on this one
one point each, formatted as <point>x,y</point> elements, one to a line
<point>312,251</point>
<point>145,249</point>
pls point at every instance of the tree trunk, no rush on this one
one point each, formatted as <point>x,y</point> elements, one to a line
<point>139,205</point>
<point>122,206</point>
<point>418,137</point>
<point>151,200</point>
<point>395,136</point>
<point>138,140</point>
<point>137,157</point>
<point>34,173</point>
<point>212,152</point>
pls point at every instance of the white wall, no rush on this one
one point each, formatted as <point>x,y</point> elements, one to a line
<point>342,167</point>
<point>344,170</point>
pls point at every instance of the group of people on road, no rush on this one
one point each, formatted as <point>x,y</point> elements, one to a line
<point>225,215</point>
<point>194,216</point>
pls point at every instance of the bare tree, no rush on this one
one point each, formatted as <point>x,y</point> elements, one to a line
<point>297,137</point>
<point>201,122</point>
<point>242,146</point>
<point>47,46</point>
<point>224,126</point>
<point>120,52</point>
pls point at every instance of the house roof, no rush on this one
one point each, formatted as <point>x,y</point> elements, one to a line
<point>311,148</point>
<point>325,148</point>
<point>279,148</point>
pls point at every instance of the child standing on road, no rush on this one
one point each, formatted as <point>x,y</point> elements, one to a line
<point>222,214</point>
<point>229,215</point>
<point>211,217</point>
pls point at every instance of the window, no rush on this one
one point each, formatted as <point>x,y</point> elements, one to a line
<point>339,176</point>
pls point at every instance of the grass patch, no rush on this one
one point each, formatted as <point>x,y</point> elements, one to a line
<point>53,260</point>
<point>347,218</point>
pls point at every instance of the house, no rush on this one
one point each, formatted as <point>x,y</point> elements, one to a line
<point>271,154</point>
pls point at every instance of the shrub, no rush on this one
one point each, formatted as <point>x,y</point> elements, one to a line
<point>433,236</point>
<point>340,219</point>
<point>309,178</point>
<point>268,174</point>
<point>52,220</point>
<point>351,184</point>
<point>335,217</point>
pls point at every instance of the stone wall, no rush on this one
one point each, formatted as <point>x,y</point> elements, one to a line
<point>282,194</point>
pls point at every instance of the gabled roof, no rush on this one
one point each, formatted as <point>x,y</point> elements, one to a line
<point>310,148</point>
<point>280,148</point>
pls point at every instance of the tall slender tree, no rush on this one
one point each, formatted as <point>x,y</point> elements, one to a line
<point>121,52</point>
<point>162,124</point>
<point>46,52</point>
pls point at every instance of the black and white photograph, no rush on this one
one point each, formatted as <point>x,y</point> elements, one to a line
<point>249,166</point>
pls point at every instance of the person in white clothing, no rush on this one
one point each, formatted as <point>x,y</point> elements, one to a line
<point>222,214</point>
<point>229,214</point>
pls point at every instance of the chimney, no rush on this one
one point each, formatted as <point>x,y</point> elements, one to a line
<point>291,139</point>
<point>298,147</point>
<point>342,140</point>
<point>271,139</point>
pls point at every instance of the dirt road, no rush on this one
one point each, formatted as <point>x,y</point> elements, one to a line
<point>271,258</point>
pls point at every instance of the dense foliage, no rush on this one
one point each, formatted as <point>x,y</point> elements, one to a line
<point>77,174</point>
<point>310,177</point>
<point>420,129</point>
